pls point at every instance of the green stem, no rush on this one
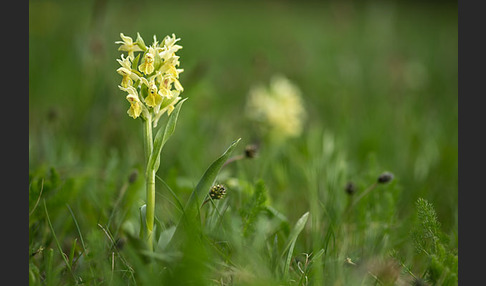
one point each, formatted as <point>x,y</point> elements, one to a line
<point>148,137</point>
<point>370,188</point>
<point>150,207</point>
<point>150,183</point>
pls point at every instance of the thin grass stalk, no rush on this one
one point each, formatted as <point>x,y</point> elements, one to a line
<point>63,255</point>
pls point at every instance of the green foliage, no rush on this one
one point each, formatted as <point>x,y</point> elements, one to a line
<point>442,261</point>
<point>161,137</point>
<point>187,222</point>
<point>427,236</point>
<point>299,226</point>
<point>209,177</point>
<point>42,184</point>
<point>253,208</point>
<point>380,94</point>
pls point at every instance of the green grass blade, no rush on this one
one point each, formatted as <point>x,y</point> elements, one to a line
<point>64,257</point>
<point>77,227</point>
<point>73,251</point>
<point>162,136</point>
<point>178,201</point>
<point>81,239</point>
<point>38,199</point>
<point>202,188</point>
<point>299,226</point>
<point>284,221</point>
<point>50,275</point>
<point>165,237</point>
<point>209,177</point>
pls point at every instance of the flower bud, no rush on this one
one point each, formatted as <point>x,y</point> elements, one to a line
<point>140,43</point>
<point>217,192</point>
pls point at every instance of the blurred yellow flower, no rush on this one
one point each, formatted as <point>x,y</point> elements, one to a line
<point>278,108</point>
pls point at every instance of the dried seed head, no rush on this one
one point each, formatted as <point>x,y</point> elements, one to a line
<point>350,188</point>
<point>385,178</point>
<point>217,192</point>
<point>251,151</point>
<point>133,176</point>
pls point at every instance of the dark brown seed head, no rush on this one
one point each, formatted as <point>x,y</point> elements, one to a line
<point>251,151</point>
<point>350,188</point>
<point>133,177</point>
<point>385,178</point>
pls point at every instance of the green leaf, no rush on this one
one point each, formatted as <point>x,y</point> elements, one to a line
<point>135,62</point>
<point>143,91</point>
<point>34,273</point>
<point>283,219</point>
<point>143,222</point>
<point>163,135</point>
<point>157,62</point>
<point>167,101</point>
<point>71,254</point>
<point>140,43</point>
<point>209,177</point>
<point>164,238</point>
<point>50,275</point>
<point>200,191</point>
<point>299,226</point>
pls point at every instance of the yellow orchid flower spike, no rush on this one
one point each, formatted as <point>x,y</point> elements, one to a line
<point>163,85</point>
<point>150,76</point>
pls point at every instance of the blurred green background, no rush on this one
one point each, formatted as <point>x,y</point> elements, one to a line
<point>379,81</point>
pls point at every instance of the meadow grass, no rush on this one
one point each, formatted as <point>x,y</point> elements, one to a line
<point>379,85</point>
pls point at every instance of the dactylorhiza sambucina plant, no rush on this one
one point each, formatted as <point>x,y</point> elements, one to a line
<point>150,76</point>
